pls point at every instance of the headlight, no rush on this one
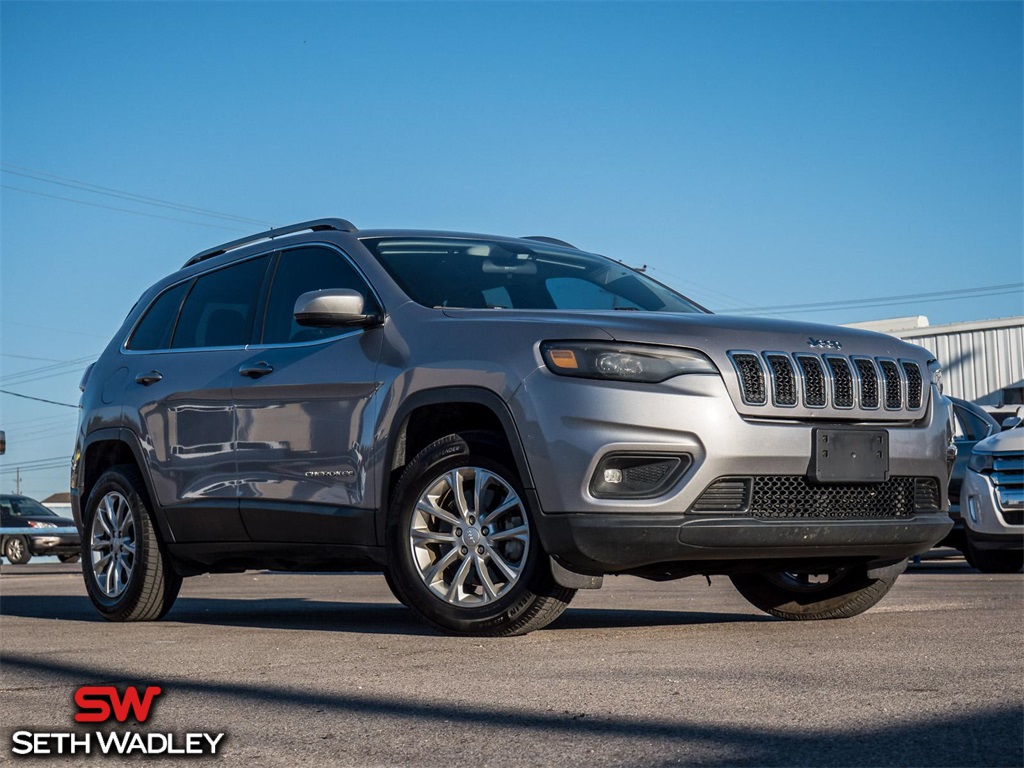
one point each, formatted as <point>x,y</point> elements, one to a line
<point>982,462</point>
<point>936,373</point>
<point>622,362</point>
<point>38,524</point>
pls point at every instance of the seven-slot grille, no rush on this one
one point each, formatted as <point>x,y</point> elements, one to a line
<point>830,380</point>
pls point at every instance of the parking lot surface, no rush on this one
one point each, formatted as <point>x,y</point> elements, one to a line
<point>329,669</point>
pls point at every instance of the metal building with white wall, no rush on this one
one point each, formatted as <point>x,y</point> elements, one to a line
<point>982,361</point>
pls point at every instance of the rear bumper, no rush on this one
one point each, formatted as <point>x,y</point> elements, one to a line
<point>611,543</point>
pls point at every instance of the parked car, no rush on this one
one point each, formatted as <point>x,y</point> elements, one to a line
<point>993,503</point>
<point>495,423</point>
<point>22,512</point>
<point>971,423</point>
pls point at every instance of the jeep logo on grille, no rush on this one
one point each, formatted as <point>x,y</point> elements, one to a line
<point>823,343</point>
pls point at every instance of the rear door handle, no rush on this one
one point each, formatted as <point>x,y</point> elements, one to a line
<point>145,379</point>
<point>256,370</point>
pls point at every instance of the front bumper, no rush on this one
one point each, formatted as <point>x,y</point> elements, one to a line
<point>626,542</point>
<point>985,521</point>
<point>68,544</point>
<point>568,426</point>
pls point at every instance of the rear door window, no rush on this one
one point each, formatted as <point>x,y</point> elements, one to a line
<point>221,306</point>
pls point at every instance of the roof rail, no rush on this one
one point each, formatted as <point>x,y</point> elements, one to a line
<point>550,240</point>
<point>317,225</point>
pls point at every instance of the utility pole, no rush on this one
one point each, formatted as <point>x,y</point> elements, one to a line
<point>17,480</point>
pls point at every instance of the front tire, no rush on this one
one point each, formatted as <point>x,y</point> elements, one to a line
<point>128,575</point>
<point>837,594</point>
<point>463,549</point>
<point>994,560</point>
<point>16,550</point>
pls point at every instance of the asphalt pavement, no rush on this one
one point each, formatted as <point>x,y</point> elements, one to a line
<point>313,669</point>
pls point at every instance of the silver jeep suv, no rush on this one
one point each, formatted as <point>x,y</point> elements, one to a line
<point>494,423</point>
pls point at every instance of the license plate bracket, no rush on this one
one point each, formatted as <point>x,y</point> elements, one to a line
<point>850,456</point>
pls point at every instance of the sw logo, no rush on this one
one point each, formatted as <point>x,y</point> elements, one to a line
<point>98,703</point>
<point>103,703</point>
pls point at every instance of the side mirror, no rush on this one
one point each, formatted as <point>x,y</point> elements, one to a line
<point>333,308</point>
<point>1012,422</point>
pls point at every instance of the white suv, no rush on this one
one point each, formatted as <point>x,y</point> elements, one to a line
<point>992,503</point>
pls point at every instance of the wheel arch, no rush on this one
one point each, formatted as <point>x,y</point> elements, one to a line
<point>107,448</point>
<point>431,414</point>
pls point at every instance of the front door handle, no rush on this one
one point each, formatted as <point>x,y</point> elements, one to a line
<point>256,370</point>
<point>145,379</point>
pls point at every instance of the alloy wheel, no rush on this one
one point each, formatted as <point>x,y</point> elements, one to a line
<point>112,544</point>
<point>469,537</point>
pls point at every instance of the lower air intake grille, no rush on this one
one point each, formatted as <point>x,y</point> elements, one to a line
<point>926,494</point>
<point>1013,516</point>
<point>727,495</point>
<point>793,497</point>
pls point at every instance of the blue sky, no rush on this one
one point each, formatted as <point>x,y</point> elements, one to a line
<point>751,154</point>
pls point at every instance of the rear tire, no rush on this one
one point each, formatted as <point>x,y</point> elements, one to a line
<point>838,594</point>
<point>127,571</point>
<point>16,550</point>
<point>463,549</point>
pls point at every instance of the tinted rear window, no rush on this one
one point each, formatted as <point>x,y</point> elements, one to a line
<point>220,308</point>
<point>154,332</point>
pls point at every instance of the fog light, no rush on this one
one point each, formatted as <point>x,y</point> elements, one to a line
<point>972,508</point>
<point>637,475</point>
<point>613,476</point>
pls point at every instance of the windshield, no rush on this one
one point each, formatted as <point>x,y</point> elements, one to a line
<point>23,506</point>
<point>484,274</point>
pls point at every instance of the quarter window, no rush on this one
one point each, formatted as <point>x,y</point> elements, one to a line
<point>299,271</point>
<point>154,332</point>
<point>220,308</point>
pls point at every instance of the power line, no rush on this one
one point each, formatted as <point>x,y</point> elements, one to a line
<point>38,399</point>
<point>878,301</point>
<point>122,210</point>
<point>29,357</point>
<point>34,464</point>
<point>49,178</point>
<point>46,369</point>
<point>57,464</point>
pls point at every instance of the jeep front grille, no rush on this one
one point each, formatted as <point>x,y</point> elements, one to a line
<point>842,381</point>
<point>751,378</point>
<point>891,374</point>
<point>868,376</point>
<point>834,381</point>
<point>915,386</point>
<point>783,380</point>
<point>794,497</point>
